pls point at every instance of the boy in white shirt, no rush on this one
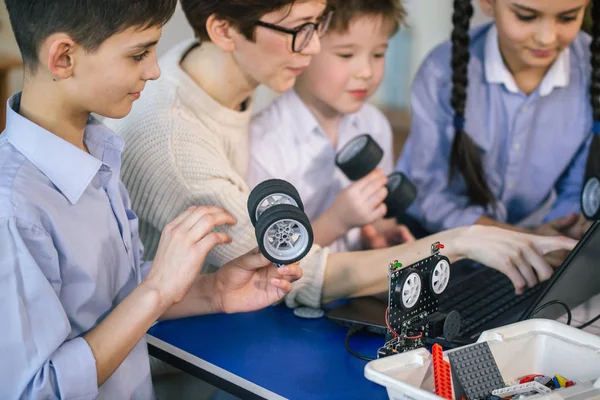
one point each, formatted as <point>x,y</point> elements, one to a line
<point>298,136</point>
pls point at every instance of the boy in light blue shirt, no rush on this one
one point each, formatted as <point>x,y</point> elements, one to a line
<point>75,297</point>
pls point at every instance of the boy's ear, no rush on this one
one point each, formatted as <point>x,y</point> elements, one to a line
<point>221,32</point>
<point>59,51</point>
<point>487,7</point>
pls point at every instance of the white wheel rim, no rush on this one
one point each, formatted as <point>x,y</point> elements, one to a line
<point>352,149</point>
<point>440,277</point>
<point>591,197</point>
<point>411,290</point>
<point>272,200</point>
<point>285,239</point>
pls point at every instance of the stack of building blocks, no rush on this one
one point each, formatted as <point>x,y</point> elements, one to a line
<point>441,373</point>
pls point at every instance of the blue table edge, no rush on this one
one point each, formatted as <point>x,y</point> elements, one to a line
<point>192,360</point>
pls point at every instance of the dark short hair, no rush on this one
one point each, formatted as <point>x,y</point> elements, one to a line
<point>87,22</point>
<point>243,14</point>
<point>345,11</point>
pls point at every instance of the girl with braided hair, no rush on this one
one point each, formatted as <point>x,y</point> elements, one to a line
<point>590,196</point>
<point>501,120</point>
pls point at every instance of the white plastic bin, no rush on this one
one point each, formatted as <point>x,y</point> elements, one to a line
<point>536,346</point>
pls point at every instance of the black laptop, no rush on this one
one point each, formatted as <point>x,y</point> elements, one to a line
<point>485,298</point>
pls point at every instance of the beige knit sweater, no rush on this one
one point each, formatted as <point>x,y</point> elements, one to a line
<point>183,148</point>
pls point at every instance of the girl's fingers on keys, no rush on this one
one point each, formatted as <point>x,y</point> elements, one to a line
<point>527,272</point>
<point>548,244</point>
<point>542,269</point>
<point>515,276</point>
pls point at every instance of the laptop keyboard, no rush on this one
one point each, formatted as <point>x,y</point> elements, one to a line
<point>483,297</point>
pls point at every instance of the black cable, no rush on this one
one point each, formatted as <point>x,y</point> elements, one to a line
<point>551,303</point>
<point>590,322</point>
<point>352,332</point>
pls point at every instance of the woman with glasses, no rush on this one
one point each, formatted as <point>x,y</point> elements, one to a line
<point>187,145</point>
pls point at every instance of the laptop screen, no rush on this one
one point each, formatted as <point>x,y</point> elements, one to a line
<point>576,281</point>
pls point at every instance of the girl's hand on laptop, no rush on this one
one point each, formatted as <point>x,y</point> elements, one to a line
<point>361,203</point>
<point>251,282</point>
<point>578,229</point>
<point>558,226</point>
<point>520,256</point>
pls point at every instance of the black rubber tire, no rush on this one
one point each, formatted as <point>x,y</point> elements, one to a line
<point>591,188</point>
<point>278,213</point>
<point>361,163</point>
<point>451,325</point>
<point>401,194</point>
<point>432,274</point>
<point>398,289</point>
<point>268,188</point>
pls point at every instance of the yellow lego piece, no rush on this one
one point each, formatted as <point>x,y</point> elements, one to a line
<point>561,381</point>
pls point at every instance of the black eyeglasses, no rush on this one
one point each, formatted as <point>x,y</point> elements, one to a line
<point>303,34</point>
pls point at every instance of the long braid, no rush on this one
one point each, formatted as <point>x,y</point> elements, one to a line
<point>593,161</point>
<point>465,158</point>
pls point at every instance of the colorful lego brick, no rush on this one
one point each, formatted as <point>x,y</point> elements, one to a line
<point>529,378</point>
<point>544,380</point>
<point>561,381</point>
<point>569,383</point>
<point>520,389</point>
<point>441,373</point>
<point>474,371</point>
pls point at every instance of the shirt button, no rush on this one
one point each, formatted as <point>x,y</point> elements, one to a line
<point>525,108</point>
<point>511,185</point>
<point>517,147</point>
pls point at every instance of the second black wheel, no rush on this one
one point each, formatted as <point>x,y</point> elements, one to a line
<point>401,194</point>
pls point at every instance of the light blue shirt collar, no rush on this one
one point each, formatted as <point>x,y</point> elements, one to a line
<point>69,168</point>
<point>497,72</point>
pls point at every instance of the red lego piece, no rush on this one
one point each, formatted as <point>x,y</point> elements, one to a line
<point>441,373</point>
<point>569,384</point>
<point>529,378</point>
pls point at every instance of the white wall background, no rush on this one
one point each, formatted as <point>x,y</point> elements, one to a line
<point>8,47</point>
